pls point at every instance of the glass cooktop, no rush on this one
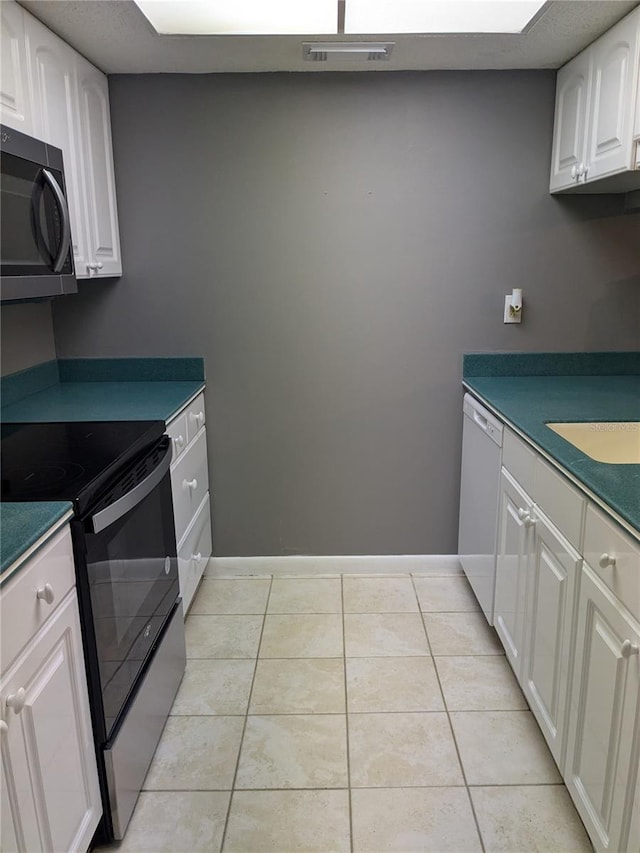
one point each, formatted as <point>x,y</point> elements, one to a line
<point>69,461</point>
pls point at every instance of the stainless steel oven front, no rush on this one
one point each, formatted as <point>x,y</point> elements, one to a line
<point>131,613</point>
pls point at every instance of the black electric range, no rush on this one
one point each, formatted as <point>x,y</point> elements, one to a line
<point>69,461</point>
<point>117,475</point>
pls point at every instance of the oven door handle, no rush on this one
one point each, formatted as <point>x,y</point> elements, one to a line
<point>110,514</point>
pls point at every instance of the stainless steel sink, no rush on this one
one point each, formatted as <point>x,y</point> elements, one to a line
<point>615,442</point>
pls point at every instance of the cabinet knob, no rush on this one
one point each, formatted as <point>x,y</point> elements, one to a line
<point>190,484</point>
<point>16,700</point>
<point>607,560</point>
<point>574,172</point>
<point>196,557</point>
<point>3,727</point>
<point>198,417</point>
<point>179,440</point>
<point>99,265</point>
<point>628,648</point>
<point>45,593</point>
<point>525,517</point>
<point>581,170</point>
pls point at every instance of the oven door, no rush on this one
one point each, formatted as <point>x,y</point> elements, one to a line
<point>130,580</point>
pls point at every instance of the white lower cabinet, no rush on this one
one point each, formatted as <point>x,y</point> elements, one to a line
<point>552,568</point>
<point>570,629</point>
<point>190,491</point>
<point>515,531</point>
<point>604,729</point>
<point>50,792</point>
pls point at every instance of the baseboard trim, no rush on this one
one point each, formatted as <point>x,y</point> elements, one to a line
<point>377,564</point>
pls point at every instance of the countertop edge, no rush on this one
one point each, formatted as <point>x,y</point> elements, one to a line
<point>628,527</point>
<point>13,567</point>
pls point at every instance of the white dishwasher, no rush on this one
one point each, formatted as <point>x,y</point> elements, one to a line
<point>479,493</point>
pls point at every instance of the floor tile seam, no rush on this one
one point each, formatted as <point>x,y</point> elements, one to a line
<point>246,718</point>
<point>455,742</point>
<point>346,703</point>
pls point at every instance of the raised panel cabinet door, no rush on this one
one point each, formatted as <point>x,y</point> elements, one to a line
<point>52,723</point>
<point>553,570</point>
<point>102,214</point>
<point>616,56</point>
<point>569,148</point>
<point>601,770</point>
<point>15,101</point>
<point>514,533</point>
<point>55,99</point>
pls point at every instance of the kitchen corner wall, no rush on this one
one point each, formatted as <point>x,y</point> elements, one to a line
<point>332,244</point>
<point>26,337</point>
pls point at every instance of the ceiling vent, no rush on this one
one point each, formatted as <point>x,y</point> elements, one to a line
<point>360,51</point>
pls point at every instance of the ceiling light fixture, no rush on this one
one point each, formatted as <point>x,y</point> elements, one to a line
<point>321,51</point>
<point>440,16</point>
<point>240,17</point>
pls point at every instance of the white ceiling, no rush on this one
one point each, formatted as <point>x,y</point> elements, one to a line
<point>115,36</point>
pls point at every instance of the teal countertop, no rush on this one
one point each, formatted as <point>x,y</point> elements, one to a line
<point>103,401</point>
<point>23,524</point>
<point>529,401</point>
<point>126,389</point>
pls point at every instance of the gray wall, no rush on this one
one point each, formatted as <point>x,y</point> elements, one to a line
<point>332,244</point>
<point>27,336</point>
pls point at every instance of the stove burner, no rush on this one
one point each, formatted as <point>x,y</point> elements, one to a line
<point>49,475</point>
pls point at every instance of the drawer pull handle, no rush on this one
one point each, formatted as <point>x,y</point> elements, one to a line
<point>607,560</point>
<point>628,648</point>
<point>198,417</point>
<point>45,593</point>
<point>190,484</point>
<point>179,440</point>
<point>16,700</point>
<point>525,517</point>
<point>3,727</point>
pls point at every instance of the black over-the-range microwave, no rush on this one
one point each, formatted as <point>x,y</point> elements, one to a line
<point>36,257</point>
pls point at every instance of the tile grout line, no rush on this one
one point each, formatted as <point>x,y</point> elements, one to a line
<point>453,736</point>
<point>346,713</point>
<point>246,718</point>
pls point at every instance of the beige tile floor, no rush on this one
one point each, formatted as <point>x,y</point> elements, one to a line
<point>349,713</point>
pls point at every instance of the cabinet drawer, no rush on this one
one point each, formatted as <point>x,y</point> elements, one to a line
<point>194,553</point>
<point>603,539</point>
<point>177,430</point>
<point>519,460</point>
<point>23,613</point>
<point>195,417</point>
<point>560,500</point>
<point>189,483</point>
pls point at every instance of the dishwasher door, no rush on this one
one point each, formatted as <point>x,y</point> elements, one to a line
<point>479,493</point>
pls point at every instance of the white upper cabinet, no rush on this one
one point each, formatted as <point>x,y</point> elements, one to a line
<point>56,119</point>
<point>570,139</point>
<point>15,104</point>
<point>596,115</point>
<point>615,79</point>
<point>95,133</point>
<point>51,92</point>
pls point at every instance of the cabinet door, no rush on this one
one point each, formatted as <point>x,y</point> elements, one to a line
<point>102,215</point>
<point>15,102</point>
<point>514,533</point>
<point>553,570</point>
<point>48,755</point>
<point>55,99</point>
<point>604,737</point>
<point>570,125</point>
<point>615,73</point>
